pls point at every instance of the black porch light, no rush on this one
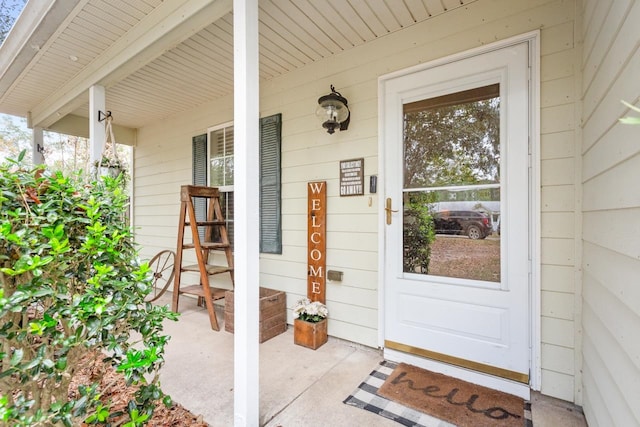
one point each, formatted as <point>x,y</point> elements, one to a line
<point>333,111</point>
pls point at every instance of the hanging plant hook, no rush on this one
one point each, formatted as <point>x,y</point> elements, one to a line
<point>102,116</point>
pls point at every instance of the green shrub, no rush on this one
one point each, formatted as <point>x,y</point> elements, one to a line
<point>418,234</point>
<point>71,283</point>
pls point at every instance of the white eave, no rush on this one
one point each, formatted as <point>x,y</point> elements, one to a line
<point>156,58</point>
<point>36,25</point>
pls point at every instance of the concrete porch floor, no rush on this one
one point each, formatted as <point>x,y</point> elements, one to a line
<point>298,386</point>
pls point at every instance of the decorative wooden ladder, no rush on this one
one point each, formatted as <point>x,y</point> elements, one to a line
<point>214,221</point>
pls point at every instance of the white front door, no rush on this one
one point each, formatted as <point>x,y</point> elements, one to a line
<point>457,236</point>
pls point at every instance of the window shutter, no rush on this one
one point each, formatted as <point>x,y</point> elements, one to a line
<point>270,207</point>
<point>199,151</point>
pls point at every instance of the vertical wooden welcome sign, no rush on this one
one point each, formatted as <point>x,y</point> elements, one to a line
<point>316,240</point>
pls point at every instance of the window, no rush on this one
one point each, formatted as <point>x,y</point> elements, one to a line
<point>213,158</point>
<point>221,170</point>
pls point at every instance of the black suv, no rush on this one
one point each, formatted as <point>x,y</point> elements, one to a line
<point>476,225</point>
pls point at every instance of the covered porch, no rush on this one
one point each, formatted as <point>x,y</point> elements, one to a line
<point>166,71</point>
<point>298,386</point>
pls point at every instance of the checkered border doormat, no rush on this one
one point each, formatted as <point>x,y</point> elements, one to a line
<point>366,397</point>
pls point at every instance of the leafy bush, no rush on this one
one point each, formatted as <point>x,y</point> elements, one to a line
<point>418,234</point>
<point>631,120</point>
<point>71,283</point>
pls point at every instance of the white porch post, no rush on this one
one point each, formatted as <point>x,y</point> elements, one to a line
<point>38,146</point>
<point>246,188</point>
<point>97,101</point>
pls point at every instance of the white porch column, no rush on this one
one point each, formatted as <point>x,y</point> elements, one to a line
<point>97,102</point>
<point>246,188</point>
<point>38,146</point>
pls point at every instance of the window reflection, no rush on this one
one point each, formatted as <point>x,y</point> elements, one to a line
<point>453,140</point>
<point>451,199</point>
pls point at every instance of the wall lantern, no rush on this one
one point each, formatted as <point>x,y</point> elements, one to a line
<point>333,111</point>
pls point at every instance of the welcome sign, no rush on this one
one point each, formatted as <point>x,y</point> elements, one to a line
<point>316,240</point>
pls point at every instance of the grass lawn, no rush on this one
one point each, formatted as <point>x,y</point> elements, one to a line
<point>459,256</point>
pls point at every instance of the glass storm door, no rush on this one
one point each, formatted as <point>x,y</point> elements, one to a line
<point>456,276</point>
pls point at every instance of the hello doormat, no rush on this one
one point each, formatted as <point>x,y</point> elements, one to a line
<point>458,402</point>
<point>366,397</point>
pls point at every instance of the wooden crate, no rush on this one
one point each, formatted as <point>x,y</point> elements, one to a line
<point>273,313</point>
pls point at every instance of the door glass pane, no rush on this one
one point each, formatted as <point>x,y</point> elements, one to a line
<point>452,185</point>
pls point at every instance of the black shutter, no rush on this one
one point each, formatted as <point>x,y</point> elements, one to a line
<point>199,151</point>
<point>270,206</point>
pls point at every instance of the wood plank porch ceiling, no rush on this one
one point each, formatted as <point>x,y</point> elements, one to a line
<point>293,34</point>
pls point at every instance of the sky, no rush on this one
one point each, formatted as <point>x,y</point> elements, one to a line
<point>9,11</point>
<point>13,6</point>
<point>13,9</point>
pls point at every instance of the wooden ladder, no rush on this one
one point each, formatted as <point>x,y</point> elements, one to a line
<point>214,222</point>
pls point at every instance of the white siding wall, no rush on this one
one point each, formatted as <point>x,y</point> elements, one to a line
<point>611,173</point>
<point>162,164</point>
<point>163,159</point>
<point>560,223</point>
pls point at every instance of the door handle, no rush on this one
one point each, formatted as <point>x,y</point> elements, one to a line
<point>389,211</point>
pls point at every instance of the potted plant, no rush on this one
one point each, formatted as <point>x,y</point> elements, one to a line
<point>110,166</point>
<point>310,323</point>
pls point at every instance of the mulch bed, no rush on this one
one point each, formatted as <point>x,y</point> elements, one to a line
<point>118,394</point>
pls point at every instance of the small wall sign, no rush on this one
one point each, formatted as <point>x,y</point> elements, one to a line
<point>352,177</point>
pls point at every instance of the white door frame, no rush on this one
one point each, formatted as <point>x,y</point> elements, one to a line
<point>533,38</point>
